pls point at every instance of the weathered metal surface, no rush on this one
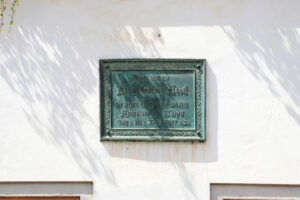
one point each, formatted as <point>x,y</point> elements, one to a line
<point>153,99</point>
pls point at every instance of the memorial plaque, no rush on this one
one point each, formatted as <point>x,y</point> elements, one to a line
<point>153,99</point>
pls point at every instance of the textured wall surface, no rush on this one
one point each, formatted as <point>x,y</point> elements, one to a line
<point>49,83</point>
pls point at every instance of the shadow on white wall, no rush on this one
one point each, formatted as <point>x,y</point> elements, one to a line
<point>52,64</point>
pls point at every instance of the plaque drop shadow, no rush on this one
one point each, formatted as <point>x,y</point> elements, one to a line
<point>177,152</point>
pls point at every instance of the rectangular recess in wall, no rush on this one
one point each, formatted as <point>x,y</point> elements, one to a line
<point>255,198</point>
<point>39,197</point>
<point>46,190</point>
<point>224,191</point>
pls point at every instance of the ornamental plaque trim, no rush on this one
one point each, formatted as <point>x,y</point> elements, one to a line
<point>109,131</point>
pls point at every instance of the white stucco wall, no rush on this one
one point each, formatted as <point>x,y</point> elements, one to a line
<point>49,83</point>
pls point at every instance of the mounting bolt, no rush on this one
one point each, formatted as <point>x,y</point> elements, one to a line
<point>198,66</point>
<point>108,133</point>
<point>107,66</point>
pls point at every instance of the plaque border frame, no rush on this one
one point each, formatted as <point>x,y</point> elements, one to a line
<point>107,133</point>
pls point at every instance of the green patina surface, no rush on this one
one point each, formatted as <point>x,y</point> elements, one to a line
<point>153,99</point>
